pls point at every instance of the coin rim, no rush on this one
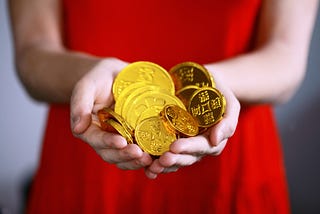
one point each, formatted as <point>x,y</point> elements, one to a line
<point>163,71</point>
<point>196,65</point>
<point>189,134</point>
<point>223,105</point>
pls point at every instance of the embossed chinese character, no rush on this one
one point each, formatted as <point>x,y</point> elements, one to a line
<point>145,74</point>
<point>204,96</point>
<point>216,103</point>
<point>208,118</point>
<point>186,75</point>
<point>196,110</point>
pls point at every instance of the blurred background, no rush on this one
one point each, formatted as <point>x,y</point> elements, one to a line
<point>22,121</point>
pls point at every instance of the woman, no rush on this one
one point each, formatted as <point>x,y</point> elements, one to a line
<point>68,55</point>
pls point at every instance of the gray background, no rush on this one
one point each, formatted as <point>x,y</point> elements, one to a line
<point>22,121</point>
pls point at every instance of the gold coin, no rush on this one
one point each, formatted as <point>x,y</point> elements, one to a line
<point>103,117</point>
<point>106,113</point>
<point>121,130</point>
<point>147,105</point>
<point>142,71</point>
<point>180,120</point>
<point>186,93</point>
<point>116,127</point>
<point>191,73</point>
<point>135,94</point>
<point>207,105</point>
<point>134,90</point>
<point>153,137</point>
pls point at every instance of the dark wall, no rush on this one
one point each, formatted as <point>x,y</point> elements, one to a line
<point>299,124</point>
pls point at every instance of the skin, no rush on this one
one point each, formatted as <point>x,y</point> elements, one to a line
<point>280,55</point>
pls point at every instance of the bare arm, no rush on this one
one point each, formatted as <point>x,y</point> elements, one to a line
<point>273,71</point>
<point>48,71</point>
<point>53,74</point>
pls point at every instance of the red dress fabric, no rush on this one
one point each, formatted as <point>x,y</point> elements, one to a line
<point>248,177</point>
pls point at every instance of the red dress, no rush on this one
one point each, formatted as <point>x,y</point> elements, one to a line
<point>248,177</point>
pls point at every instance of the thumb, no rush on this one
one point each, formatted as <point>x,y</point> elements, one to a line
<point>81,105</point>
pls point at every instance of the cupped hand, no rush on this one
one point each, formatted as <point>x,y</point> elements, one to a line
<point>187,151</point>
<point>91,93</point>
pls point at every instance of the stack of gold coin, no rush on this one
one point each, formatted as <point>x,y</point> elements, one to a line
<point>196,88</point>
<point>141,91</point>
<point>153,107</point>
<point>113,122</point>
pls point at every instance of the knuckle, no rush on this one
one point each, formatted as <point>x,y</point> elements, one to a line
<point>167,160</point>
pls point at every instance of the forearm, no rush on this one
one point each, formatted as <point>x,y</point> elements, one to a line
<point>50,74</point>
<point>269,75</point>
<point>274,69</point>
<point>48,71</point>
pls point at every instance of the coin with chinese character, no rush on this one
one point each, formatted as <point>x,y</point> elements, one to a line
<point>153,137</point>
<point>191,73</point>
<point>180,120</point>
<point>207,105</point>
<point>142,71</point>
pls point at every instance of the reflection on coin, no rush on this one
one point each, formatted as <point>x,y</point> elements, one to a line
<point>180,120</point>
<point>119,129</point>
<point>125,93</point>
<point>207,105</point>
<point>142,71</point>
<point>106,113</point>
<point>147,105</point>
<point>103,117</point>
<point>153,137</point>
<point>135,94</point>
<point>190,73</point>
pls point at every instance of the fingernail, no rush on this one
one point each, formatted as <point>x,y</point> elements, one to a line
<point>74,122</point>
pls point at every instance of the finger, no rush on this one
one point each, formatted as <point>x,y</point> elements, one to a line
<point>117,156</point>
<point>154,169</point>
<point>82,101</point>
<point>137,163</point>
<point>196,146</point>
<point>150,174</point>
<point>227,126</point>
<point>99,139</point>
<point>170,162</point>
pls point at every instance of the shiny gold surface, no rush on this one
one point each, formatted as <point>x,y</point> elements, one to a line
<point>147,105</point>
<point>142,71</point>
<point>106,113</point>
<point>191,73</point>
<point>180,120</point>
<point>207,105</point>
<point>148,112</point>
<point>125,93</point>
<point>120,130</point>
<point>153,137</point>
<point>134,95</point>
